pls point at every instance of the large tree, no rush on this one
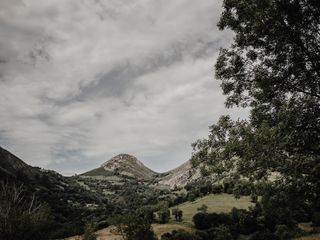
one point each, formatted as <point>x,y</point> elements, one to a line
<point>272,67</point>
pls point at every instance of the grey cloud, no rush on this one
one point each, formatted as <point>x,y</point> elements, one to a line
<point>84,80</point>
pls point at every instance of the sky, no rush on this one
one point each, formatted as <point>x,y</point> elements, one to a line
<point>84,80</point>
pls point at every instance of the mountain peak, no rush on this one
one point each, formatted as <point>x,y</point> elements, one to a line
<point>122,158</point>
<point>124,164</point>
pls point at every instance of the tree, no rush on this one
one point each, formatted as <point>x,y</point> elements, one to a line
<point>273,67</point>
<point>146,212</point>
<point>177,213</point>
<point>164,213</point>
<point>134,227</point>
<point>203,208</point>
<point>89,233</point>
<point>222,233</point>
<point>200,220</point>
<point>21,216</point>
<point>177,235</point>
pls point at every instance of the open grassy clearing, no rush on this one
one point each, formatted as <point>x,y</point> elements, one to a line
<point>311,237</point>
<point>216,203</point>
<point>110,233</point>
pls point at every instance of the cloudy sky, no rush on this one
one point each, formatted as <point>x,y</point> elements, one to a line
<point>84,80</point>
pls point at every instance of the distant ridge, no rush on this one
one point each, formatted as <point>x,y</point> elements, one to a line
<point>130,166</point>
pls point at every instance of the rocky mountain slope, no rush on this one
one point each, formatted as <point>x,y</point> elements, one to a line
<point>123,164</point>
<point>180,176</point>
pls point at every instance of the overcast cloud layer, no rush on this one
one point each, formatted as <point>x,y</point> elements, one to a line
<point>84,80</point>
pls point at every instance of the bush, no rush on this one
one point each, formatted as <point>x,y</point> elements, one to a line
<point>21,216</point>
<point>203,208</point>
<point>316,219</point>
<point>164,215</point>
<point>207,220</point>
<point>245,222</point>
<point>264,236</point>
<point>134,227</point>
<point>102,224</point>
<point>217,188</point>
<point>200,220</point>
<point>177,213</point>
<point>202,235</point>
<point>283,232</point>
<point>192,197</point>
<point>89,233</point>
<point>177,235</point>
<point>222,233</point>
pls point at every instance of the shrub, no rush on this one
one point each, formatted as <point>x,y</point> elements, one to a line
<point>192,197</point>
<point>89,233</point>
<point>177,235</point>
<point>134,227</point>
<point>264,236</point>
<point>21,216</point>
<point>203,208</point>
<point>177,213</point>
<point>200,220</point>
<point>244,221</point>
<point>316,219</point>
<point>222,233</point>
<point>164,215</point>
<point>217,188</point>
<point>207,220</point>
<point>283,232</point>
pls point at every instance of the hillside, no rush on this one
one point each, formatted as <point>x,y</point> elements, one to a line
<point>180,176</point>
<point>69,202</point>
<point>218,203</point>
<point>10,165</point>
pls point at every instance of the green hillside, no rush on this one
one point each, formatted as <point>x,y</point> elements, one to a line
<point>215,202</point>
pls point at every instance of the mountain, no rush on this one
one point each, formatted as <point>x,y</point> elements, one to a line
<point>180,176</point>
<point>125,165</point>
<point>129,166</point>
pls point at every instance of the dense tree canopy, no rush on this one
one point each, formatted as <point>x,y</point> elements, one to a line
<point>273,67</point>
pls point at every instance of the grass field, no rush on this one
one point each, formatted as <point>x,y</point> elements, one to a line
<point>216,203</point>
<point>159,229</point>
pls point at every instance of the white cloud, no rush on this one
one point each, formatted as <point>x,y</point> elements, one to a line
<point>81,81</point>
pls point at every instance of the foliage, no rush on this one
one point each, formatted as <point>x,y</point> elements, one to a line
<point>89,233</point>
<point>164,212</point>
<point>22,217</point>
<point>208,220</point>
<point>264,235</point>
<point>273,67</point>
<point>316,219</point>
<point>177,235</point>
<point>203,208</point>
<point>134,227</point>
<point>283,232</point>
<point>177,213</point>
<point>222,233</point>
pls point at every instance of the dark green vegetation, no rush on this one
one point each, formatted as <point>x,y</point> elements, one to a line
<point>135,226</point>
<point>22,215</point>
<point>273,67</point>
<point>71,205</point>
